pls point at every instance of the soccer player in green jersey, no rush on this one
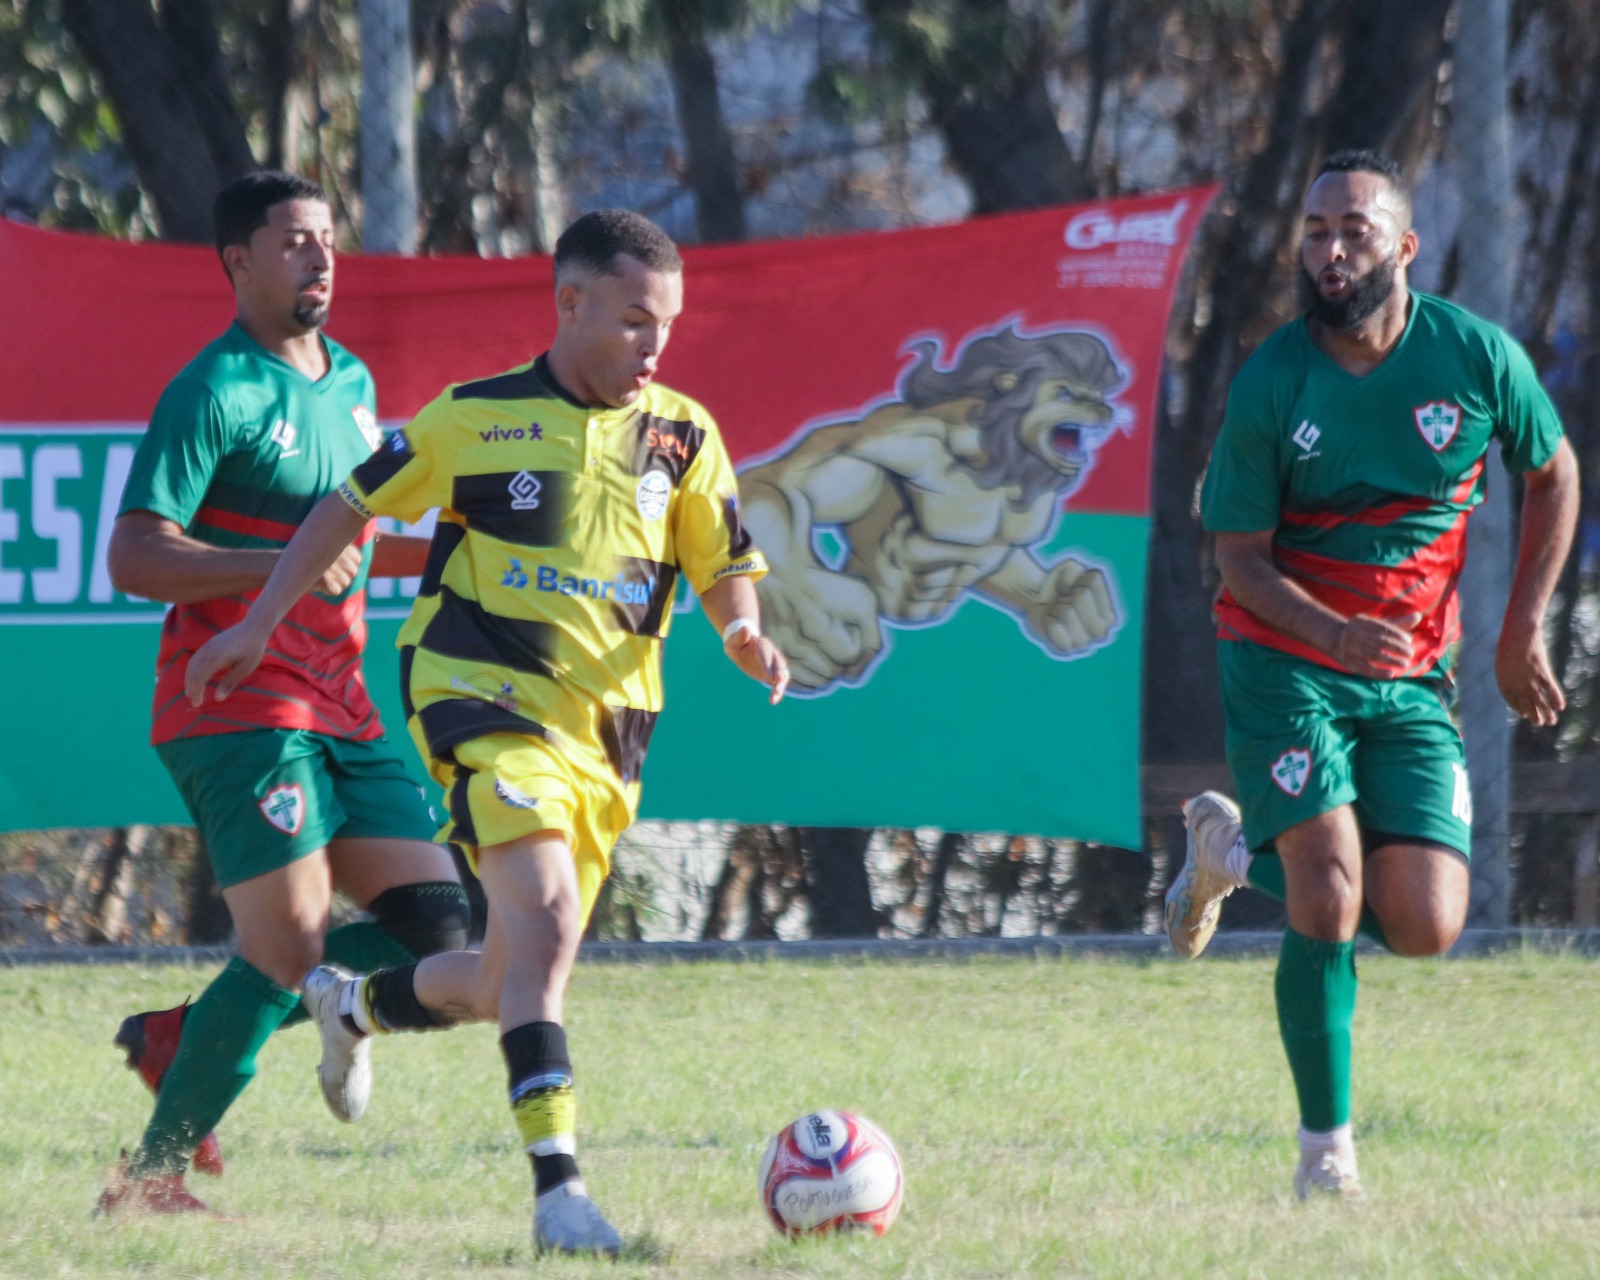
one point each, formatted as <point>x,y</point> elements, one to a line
<point>293,786</point>
<point>1350,457</point>
<point>573,492</point>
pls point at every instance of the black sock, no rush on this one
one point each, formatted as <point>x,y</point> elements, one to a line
<point>541,1093</point>
<point>392,998</point>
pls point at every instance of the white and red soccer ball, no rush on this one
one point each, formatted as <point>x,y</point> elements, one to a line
<point>831,1171</point>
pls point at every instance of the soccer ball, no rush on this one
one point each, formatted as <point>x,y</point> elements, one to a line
<point>831,1171</point>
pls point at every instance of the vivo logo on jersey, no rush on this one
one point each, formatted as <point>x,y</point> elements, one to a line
<point>497,433</point>
<point>544,578</point>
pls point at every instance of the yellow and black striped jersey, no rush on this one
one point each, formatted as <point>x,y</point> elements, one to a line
<point>562,532</point>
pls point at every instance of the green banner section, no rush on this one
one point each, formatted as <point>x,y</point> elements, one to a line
<point>78,752</point>
<point>1058,739</point>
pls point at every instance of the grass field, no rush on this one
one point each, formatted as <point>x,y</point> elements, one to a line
<point>1055,1118</point>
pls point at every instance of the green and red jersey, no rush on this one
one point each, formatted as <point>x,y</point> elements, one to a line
<point>241,446</point>
<point>1366,483</point>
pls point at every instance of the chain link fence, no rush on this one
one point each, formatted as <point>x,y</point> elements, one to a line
<point>482,126</point>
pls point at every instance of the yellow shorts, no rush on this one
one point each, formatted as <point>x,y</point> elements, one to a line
<point>504,786</point>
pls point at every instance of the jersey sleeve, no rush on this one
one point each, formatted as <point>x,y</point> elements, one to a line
<point>411,472</point>
<point>175,461</point>
<point>711,540</point>
<point>1242,492</point>
<point>1529,429</point>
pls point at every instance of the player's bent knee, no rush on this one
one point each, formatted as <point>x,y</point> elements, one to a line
<point>285,959</point>
<point>1326,908</point>
<point>1424,936</point>
<point>424,918</point>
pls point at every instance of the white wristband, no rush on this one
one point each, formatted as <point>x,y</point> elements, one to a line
<point>738,625</point>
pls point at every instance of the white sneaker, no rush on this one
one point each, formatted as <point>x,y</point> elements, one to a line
<point>345,1071</point>
<point>1329,1173</point>
<point>1194,901</point>
<point>565,1220</point>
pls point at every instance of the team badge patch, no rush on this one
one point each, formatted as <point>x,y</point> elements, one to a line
<point>1438,421</point>
<point>652,494</point>
<point>513,796</point>
<point>285,808</point>
<point>1292,770</point>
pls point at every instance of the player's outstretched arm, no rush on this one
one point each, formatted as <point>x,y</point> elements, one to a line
<point>229,658</point>
<point>151,557</point>
<point>1549,519</point>
<point>733,600</point>
<point>399,555</point>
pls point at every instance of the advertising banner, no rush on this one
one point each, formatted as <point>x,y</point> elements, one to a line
<point>943,438</point>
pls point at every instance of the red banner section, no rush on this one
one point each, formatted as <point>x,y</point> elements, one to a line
<point>777,336</point>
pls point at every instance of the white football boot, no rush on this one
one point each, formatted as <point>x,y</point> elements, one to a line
<point>565,1220</point>
<point>345,1071</point>
<point>1328,1171</point>
<point>1194,901</point>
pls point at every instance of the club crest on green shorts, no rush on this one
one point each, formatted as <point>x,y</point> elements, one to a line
<point>1291,770</point>
<point>285,808</point>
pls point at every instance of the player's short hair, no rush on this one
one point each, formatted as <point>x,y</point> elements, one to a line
<point>595,241</point>
<point>1368,160</point>
<point>241,208</point>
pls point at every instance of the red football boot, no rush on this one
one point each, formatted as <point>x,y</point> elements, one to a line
<point>134,1197</point>
<point>151,1042</point>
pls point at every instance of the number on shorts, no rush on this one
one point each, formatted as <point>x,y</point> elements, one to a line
<point>1461,801</point>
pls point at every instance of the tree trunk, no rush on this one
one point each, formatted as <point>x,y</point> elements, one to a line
<point>950,845</point>
<point>1481,128</point>
<point>1246,255</point>
<point>388,136</point>
<point>1182,713</point>
<point>998,122</point>
<point>1390,57</point>
<point>449,219</point>
<point>191,30</point>
<point>836,882</point>
<point>1555,261</point>
<point>730,896</point>
<point>712,169</point>
<point>170,95</point>
<point>209,923</point>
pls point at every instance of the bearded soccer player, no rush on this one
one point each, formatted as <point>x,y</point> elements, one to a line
<point>1350,457</point>
<point>292,785</point>
<point>573,492</point>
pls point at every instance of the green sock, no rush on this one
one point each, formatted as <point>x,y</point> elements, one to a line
<point>1316,988</point>
<point>216,1059</point>
<point>360,947</point>
<point>1266,874</point>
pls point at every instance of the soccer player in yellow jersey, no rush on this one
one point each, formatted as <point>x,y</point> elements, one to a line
<point>572,493</point>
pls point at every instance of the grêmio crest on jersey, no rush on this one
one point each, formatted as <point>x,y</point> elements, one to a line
<point>1438,421</point>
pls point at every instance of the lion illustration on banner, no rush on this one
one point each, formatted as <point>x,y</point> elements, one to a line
<point>894,516</point>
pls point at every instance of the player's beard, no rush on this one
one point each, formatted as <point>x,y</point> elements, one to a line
<point>311,315</point>
<point>1365,295</point>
